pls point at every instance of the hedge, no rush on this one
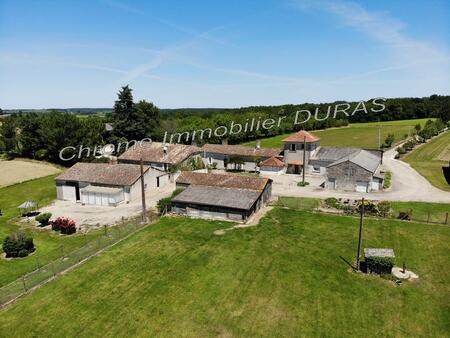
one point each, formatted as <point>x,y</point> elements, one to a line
<point>379,265</point>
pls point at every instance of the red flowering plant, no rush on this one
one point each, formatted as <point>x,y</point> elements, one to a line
<point>65,225</point>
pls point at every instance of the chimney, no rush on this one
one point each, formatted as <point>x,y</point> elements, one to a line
<point>112,159</point>
<point>225,141</point>
<point>258,144</point>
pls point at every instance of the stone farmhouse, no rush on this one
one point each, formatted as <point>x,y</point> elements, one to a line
<point>349,169</point>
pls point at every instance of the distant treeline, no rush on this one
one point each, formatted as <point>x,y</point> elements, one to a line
<point>42,136</point>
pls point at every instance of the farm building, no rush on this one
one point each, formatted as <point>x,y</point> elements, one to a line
<point>235,156</point>
<point>271,166</point>
<point>294,146</point>
<point>159,157</point>
<point>101,183</point>
<point>358,171</point>
<point>221,196</point>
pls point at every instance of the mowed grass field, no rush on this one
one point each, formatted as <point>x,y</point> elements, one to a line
<point>286,277</point>
<point>428,160</point>
<point>47,242</point>
<point>17,171</point>
<point>361,135</point>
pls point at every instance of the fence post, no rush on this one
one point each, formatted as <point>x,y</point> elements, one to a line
<point>37,262</point>
<point>428,219</point>
<point>62,251</point>
<point>53,269</point>
<point>446,218</point>
<point>106,230</point>
<point>24,285</point>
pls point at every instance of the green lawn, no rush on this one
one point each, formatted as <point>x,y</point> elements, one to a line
<point>421,210</point>
<point>361,135</point>
<point>298,203</point>
<point>429,159</point>
<point>286,277</point>
<point>47,242</point>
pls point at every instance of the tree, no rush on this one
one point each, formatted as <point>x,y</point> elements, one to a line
<point>133,121</point>
<point>388,141</point>
<point>1,111</point>
<point>8,134</point>
<point>417,127</point>
<point>30,137</point>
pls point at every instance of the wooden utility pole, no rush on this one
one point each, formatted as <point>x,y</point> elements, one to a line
<point>304,158</point>
<point>144,207</point>
<point>358,255</point>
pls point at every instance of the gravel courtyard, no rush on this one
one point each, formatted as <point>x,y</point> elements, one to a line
<point>105,215</point>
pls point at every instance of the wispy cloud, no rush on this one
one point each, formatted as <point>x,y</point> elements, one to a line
<point>407,52</point>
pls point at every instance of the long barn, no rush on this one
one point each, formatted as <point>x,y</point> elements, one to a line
<point>221,196</point>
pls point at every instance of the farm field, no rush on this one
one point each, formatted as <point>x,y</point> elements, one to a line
<point>288,276</point>
<point>17,171</point>
<point>429,159</point>
<point>361,135</point>
<point>47,242</point>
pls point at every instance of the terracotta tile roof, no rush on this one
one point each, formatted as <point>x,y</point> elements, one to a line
<point>295,162</point>
<point>300,136</point>
<point>154,152</point>
<point>223,180</point>
<point>241,199</point>
<point>228,149</point>
<point>272,162</point>
<point>103,173</point>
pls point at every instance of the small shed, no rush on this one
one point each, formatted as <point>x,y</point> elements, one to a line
<point>376,252</point>
<point>28,207</point>
<point>272,165</point>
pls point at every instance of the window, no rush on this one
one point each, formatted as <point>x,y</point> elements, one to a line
<point>292,147</point>
<point>351,172</point>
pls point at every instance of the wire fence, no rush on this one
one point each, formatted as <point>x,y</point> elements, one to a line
<point>42,274</point>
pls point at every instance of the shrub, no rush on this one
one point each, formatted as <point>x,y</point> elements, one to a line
<point>164,203</point>
<point>379,265</point>
<point>43,218</point>
<point>65,225</point>
<point>401,150</point>
<point>384,208</point>
<point>332,202</point>
<point>18,245</point>
<point>387,180</point>
<point>301,184</point>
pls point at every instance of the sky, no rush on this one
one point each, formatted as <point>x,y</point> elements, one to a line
<point>234,53</point>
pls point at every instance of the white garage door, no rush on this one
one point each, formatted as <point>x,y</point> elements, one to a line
<point>361,186</point>
<point>69,193</point>
<point>376,184</point>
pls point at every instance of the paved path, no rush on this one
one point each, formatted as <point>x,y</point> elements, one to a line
<point>407,185</point>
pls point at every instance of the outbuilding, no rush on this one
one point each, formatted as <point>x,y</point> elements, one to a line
<point>221,196</point>
<point>271,166</point>
<point>101,183</point>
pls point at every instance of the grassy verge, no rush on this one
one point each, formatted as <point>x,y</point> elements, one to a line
<point>429,159</point>
<point>360,135</point>
<point>286,277</point>
<point>48,243</point>
<point>387,180</point>
<point>298,203</point>
<point>434,212</point>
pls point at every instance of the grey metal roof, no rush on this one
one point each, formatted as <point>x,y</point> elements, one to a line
<point>362,158</point>
<point>28,205</point>
<point>377,252</point>
<point>218,196</point>
<point>332,154</point>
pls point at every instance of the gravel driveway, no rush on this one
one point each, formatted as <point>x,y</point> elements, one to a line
<point>100,215</point>
<point>407,185</point>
